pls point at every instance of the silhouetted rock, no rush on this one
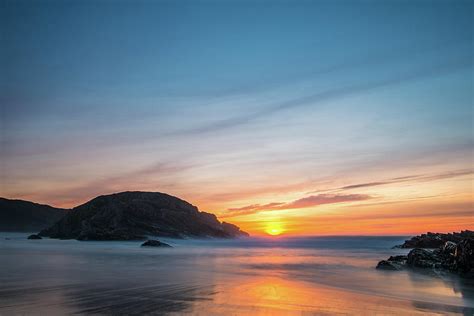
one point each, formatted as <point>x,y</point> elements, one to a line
<point>421,258</point>
<point>134,215</point>
<point>155,243</point>
<point>457,258</point>
<point>464,256</point>
<point>392,263</point>
<point>34,237</point>
<point>449,247</point>
<point>24,216</point>
<point>435,240</point>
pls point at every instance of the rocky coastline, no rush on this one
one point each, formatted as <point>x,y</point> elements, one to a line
<point>453,253</point>
<point>435,240</point>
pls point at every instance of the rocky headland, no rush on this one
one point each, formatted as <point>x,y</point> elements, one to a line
<point>25,216</point>
<point>455,253</point>
<point>136,215</point>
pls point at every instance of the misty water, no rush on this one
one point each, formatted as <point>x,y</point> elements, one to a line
<point>325,275</point>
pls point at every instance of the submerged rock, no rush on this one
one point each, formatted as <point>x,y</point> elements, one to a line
<point>133,215</point>
<point>34,237</point>
<point>155,243</point>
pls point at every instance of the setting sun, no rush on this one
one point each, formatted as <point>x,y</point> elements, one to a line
<point>274,229</point>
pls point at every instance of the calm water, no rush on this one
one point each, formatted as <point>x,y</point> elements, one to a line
<point>287,276</point>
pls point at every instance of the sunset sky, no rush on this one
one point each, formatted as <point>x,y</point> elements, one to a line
<point>306,117</point>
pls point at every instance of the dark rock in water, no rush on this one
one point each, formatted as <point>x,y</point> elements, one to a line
<point>133,215</point>
<point>435,240</point>
<point>421,258</point>
<point>24,216</point>
<point>457,258</point>
<point>464,256</point>
<point>155,243</point>
<point>388,265</point>
<point>34,237</point>
<point>393,263</point>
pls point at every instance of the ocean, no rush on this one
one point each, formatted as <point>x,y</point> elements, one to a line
<point>254,276</point>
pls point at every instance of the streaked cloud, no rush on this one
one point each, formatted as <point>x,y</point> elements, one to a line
<point>309,201</point>
<point>411,178</point>
<point>334,93</point>
<point>364,185</point>
<point>253,207</point>
<point>128,181</point>
<point>315,200</point>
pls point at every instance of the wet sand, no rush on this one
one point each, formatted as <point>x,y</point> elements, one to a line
<point>311,276</point>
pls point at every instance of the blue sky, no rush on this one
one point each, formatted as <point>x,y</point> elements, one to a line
<point>204,98</point>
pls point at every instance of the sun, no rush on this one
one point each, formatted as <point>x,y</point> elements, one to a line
<point>274,229</point>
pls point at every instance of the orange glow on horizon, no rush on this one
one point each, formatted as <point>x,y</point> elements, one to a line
<point>441,203</point>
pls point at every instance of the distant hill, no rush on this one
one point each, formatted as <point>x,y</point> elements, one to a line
<point>135,215</point>
<point>19,215</point>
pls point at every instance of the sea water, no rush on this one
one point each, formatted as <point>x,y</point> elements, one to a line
<point>252,276</point>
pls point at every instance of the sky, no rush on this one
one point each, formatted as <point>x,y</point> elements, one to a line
<point>294,117</point>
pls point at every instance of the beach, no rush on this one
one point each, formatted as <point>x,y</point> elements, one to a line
<point>318,275</point>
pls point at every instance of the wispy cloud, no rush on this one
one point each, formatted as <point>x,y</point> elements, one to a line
<point>268,206</point>
<point>410,178</point>
<point>315,200</point>
<point>430,71</point>
<point>309,201</point>
<point>127,181</point>
<point>363,185</point>
<point>329,198</point>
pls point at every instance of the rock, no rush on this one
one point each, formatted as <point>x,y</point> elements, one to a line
<point>421,258</point>
<point>457,258</point>
<point>416,258</point>
<point>393,263</point>
<point>24,216</point>
<point>435,240</point>
<point>34,237</point>
<point>464,256</point>
<point>133,215</point>
<point>449,247</point>
<point>155,243</point>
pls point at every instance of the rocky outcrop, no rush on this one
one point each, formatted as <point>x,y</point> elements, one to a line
<point>464,256</point>
<point>393,263</point>
<point>422,258</point>
<point>34,237</point>
<point>155,243</point>
<point>24,216</point>
<point>135,215</point>
<point>435,240</point>
<point>457,258</point>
